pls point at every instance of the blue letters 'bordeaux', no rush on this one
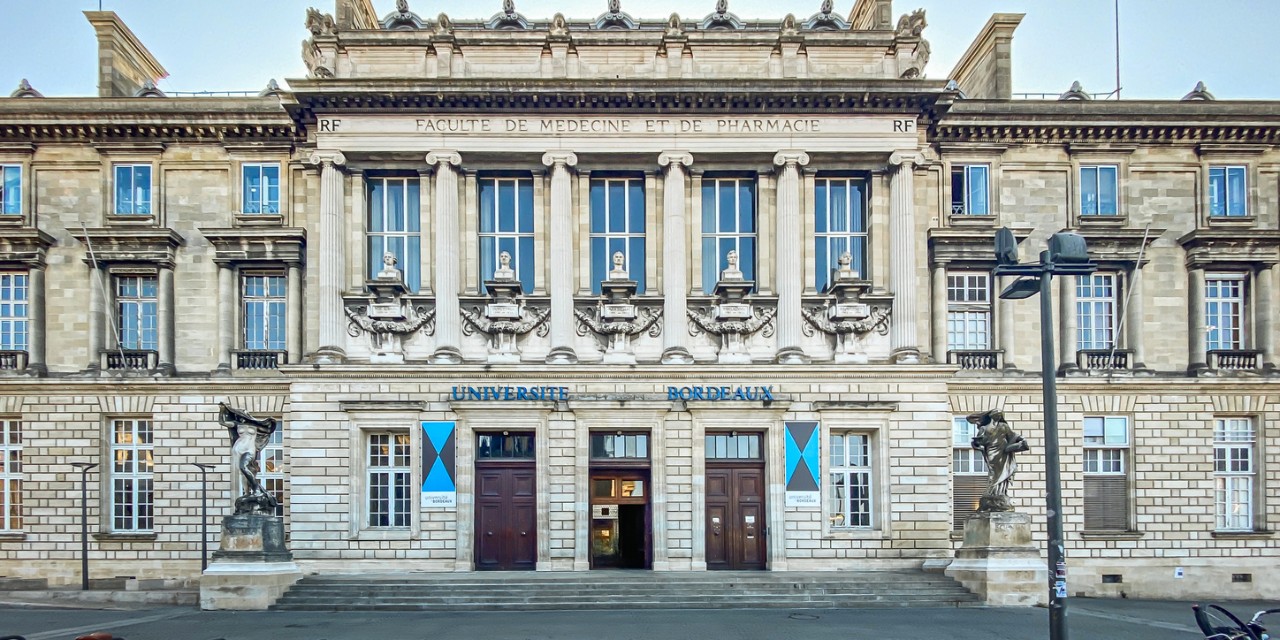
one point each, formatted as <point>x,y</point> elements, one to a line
<point>720,393</point>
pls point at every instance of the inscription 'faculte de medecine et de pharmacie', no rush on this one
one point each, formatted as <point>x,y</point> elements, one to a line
<point>617,125</point>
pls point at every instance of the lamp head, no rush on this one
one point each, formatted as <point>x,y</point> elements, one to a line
<point>1006,247</point>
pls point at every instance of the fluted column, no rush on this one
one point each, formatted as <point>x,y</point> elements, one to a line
<point>1135,324</point>
<point>448,257</point>
<point>227,303</point>
<point>788,256</point>
<point>36,321</point>
<point>561,230</point>
<point>165,311</point>
<point>675,277</point>
<point>293,314</point>
<point>902,258</point>
<point>1068,329</point>
<point>938,314</point>
<point>333,258</point>
<point>1265,314</point>
<point>1197,359</point>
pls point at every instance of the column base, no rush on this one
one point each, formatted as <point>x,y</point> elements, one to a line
<point>328,355</point>
<point>562,355</point>
<point>906,356</point>
<point>36,370</point>
<point>792,355</point>
<point>1197,369</point>
<point>446,355</point>
<point>676,355</point>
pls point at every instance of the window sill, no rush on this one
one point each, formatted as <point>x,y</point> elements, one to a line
<point>1232,222</point>
<point>971,220</point>
<point>856,534</point>
<point>384,534</point>
<point>125,537</point>
<point>131,220</point>
<point>259,220</point>
<point>12,219</point>
<point>957,536</point>
<point>1242,535</point>
<point>1101,220</point>
<point>1111,535</point>
<point>13,536</point>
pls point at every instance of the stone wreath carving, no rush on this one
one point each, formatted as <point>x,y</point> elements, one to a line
<point>816,320</point>
<point>613,334</point>
<point>360,322</point>
<point>704,322</point>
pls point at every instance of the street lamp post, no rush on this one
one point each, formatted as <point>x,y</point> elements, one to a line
<point>84,468</point>
<point>1067,255</point>
<point>204,514</point>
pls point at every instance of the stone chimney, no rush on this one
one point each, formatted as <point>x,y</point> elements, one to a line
<point>985,71</point>
<point>124,65</point>
<point>871,15</point>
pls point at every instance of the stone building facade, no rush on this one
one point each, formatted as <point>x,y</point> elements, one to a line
<point>571,294</point>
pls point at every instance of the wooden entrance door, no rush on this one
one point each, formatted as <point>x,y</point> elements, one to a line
<point>506,516</point>
<point>735,517</point>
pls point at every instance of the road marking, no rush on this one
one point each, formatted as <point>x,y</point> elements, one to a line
<point>128,622</point>
<point>1141,621</point>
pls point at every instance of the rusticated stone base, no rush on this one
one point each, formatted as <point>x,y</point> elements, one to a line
<point>999,562</point>
<point>246,586</point>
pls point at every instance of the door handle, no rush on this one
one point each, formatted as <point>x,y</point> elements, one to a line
<point>524,533</point>
<point>490,533</point>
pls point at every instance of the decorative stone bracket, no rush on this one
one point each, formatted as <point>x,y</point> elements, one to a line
<point>504,325</point>
<point>614,325</point>
<point>849,314</point>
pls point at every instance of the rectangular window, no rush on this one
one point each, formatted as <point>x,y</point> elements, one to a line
<point>728,224</point>
<point>1224,311</point>
<point>10,475</point>
<point>132,467</point>
<point>969,190</point>
<point>1234,441</point>
<point>733,446</point>
<point>14,326</point>
<point>390,485</point>
<point>617,226</point>
<point>260,188</point>
<point>1098,188</point>
<point>133,189</point>
<point>851,502</point>
<point>394,226</point>
<point>622,445</point>
<point>137,327</point>
<point>271,463</point>
<point>506,226</point>
<point>1096,311</point>
<point>968,472</point>
<point>10,189</point>
<point>264,312</point>
<point>968,311</point>
<point>1228,189</point>
<point>840,226</point>
<point>504,446</point>
<point>1106,473</point>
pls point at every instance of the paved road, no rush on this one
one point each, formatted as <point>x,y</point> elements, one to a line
<point>1088,620</point>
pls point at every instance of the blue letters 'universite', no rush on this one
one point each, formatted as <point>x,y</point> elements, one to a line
<point>509,393</point>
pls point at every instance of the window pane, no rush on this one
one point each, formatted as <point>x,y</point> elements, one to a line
<point>1235,191</point>
<point>597,206</point>
<point>978,190</point>
<point>12,190</point>
<point>1107,187</point>
<point>1088,190</point>
<point>142,189</point>
<point>124,190</point>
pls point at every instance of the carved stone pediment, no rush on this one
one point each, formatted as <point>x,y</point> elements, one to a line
<point>258,245</point>
<point>130,245</point>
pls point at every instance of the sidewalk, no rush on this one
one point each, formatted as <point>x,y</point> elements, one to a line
<point>1088,619</point>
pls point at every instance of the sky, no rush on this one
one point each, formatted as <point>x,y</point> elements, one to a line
<point>1166,46</point>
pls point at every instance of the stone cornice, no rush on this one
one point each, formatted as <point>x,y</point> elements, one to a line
<point>25,246</point>
<point>1108,121</point>
<point>1210,247</point>
<point>1114,246</point>
<point>122,119</point>
<point>966,245</point>
<point>559,95</point>
<point>116,245</point>
<point>258,245</point>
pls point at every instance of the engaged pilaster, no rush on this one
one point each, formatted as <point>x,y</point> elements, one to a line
<point>227,301</point>
<point>788,258</point>
<point>36,322</point>
<point>1197,358</point>
<point>333,262</point>
<point>1266,313</point>
<point>1135,325</point>
<point>448,257</point>
<point>165,311</point>
<point>902,257</point>
<point>1068,330</point>
<point>675,278</point>
<point>293,314</point>
<point>562,332</point>
<point>97,316</point>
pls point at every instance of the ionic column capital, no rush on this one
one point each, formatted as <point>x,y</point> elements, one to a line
<point>560,158</point>
<point>444,157</point>
<point>675,159</point>
<point>906,158</point>
<point>326,157</point>
<point>791,158</point>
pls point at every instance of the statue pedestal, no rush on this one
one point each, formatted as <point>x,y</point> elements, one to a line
<point>999,562</point>
<point>252,568</point>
